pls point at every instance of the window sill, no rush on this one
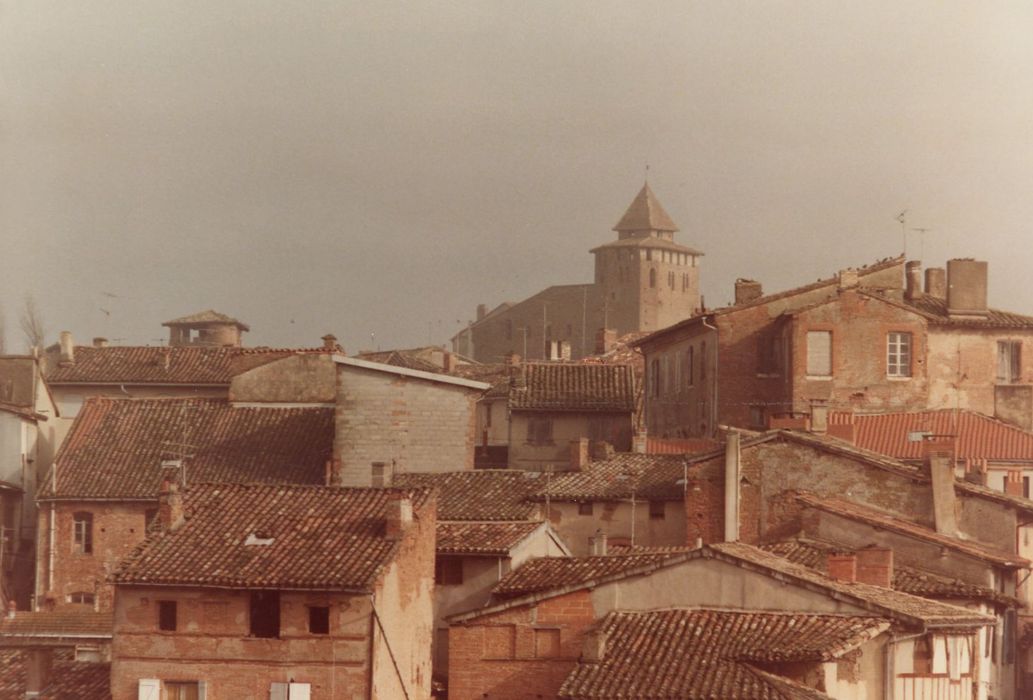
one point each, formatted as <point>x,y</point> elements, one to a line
<point>818,377</point>
<point>898,378</point>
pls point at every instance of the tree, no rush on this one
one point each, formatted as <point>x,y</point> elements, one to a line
<point>31,322</point>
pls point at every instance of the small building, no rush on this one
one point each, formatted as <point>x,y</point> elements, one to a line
<point>255,591</point>
<point>207,328</point>
<point>551,404</point>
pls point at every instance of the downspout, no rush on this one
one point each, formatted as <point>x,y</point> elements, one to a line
<point>890,675</point>
<point>51,536</point>
<point>713,375</point>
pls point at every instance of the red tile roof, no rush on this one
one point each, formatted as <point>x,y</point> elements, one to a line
<point>893,523</point>
<point>976,436</point>
<point>409,359</point>
<point>935,309</point>
<point>115,446</point>
<point>701,653</point>
<point>647,476</point>
<point>560,386</point>
<point>482,494</point>
<point>164,365</point>
<point>548,573</point>
<point>57,624</point>
<point>498,375</point>
<point>69,679</point>
<point>495,538</point>
<point>205,317</point>
<point>323,538</point>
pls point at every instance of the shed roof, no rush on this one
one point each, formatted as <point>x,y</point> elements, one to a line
<point>492,538</point>
<point>481,494</point>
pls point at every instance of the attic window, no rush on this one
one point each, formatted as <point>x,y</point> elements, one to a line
<point>259,538</point>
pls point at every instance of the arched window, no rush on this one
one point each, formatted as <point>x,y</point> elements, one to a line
<point>81,597</point>
<point>652,279</point>
<point>82,529</point>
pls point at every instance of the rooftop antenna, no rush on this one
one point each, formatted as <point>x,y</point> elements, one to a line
<point>902,218</point>
<point>921,240</point>
<point>647,172</point>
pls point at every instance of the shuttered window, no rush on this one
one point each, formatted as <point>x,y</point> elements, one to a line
<point>819,353</point>
<point>1009,356</point>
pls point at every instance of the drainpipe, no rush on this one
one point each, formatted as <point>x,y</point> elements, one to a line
<point>713,375</point>
<point>732,478</point>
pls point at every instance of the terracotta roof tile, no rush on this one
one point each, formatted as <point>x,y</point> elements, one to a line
<point>207,316</point>
<point>57,624</point>
<point>888,521</point>
<point>400,358</point>
<point>499,375</point>
<point>115,446</point>
<point>70,679</point>
<point>548,573</point>
<point>935,309</point>
<point>324,538</point>
<point>559,386</point>
<point>709,653</point>
<point>647,476</point>
<point>482,494</point>
<point>494,538</point>
<point>164,365</point>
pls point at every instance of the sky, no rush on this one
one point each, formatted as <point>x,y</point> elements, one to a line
<point>377,169</point>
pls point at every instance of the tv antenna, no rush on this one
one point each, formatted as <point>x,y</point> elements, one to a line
<point>921,240</point>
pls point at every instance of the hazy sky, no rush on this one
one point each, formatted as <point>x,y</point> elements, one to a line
<point>383,167</point>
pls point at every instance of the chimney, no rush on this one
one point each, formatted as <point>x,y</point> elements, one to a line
<point>966,287</point>
<point>448,362</point>
<point>601,451</point>
<point>512,359</point>
<point>732,469</point>
<point>941,470</point>
<point>12,608</point>
<point>482,311</point>
<point>842,566</point>
<point>593,646</point>
<point>67,348</point>
<point>936,282</point>
<point>912,280</point>
<point>579,458</point>
<point>875,566</point>
<point>399,515</point>
<point>605,340</point>
<point>640,442</point>
<point>38,671</point>
<point>848,278</point>
<point>819,417</point>
<point>565,350</point>
<point>1013,483</point>
<point>329,341</point>
<point>600,544</point>
<point>100,342</point>
<point>170,505</point>
<point>747,290</point>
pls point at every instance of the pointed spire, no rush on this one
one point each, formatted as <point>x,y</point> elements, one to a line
<point>645,214</point>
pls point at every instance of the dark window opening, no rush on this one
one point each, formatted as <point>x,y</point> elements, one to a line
<point>148,517</point>
<point>265,614</point>
<point>81,597</point>
<point>319,619</point>
<point>377,475</point>
<point>657,510</point>
<point>584,508</point>
<point>652,279</point>
<point>448,571</point>
<point>1009,361</point>
<point>539,430</point>
<point>167,615</point>
<point>83,532</point>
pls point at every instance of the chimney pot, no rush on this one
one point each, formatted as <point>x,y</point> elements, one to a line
<point>936,282</point>
<point>842,566</point>
<point>600,544</point>
<point>605,340</point>
<point>848,278</point>
<point>482,311</point>
<point>579,454</point>
<point>747,290</point>
<point>399,515</point>
<point>966,287</point>
<point>170,505</point>
<point>912,280</point>
<point>329,341</point>
<point>100,342</point>
<point>941,472</point>
<point>67,348</point>
<point>12,608</point>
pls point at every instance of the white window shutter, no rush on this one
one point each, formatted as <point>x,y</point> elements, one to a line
<point>149,689</point>
<point>278,691</point>
<point>300,691</point>
<point>819,353</point>
<point>202,690</point>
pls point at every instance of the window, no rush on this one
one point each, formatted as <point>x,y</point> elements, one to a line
<point>264,611</point>
<point>757,417</point>
<point>183,690</point>
<point>167,615</point>
<point>657,510</point>
<point>81,597</point>
<point>82,525</point>
<point>922,656</point>
<point>670,279</point>
<point>377,474</point>
<point>539,430</point>
<point>499,642</point>
<point>290,691</point>
<point>585,508</point>
<point>319,619</point>
<point>652,278</point>
<point>1009,361</point>
<point>819,353</point>
<point>448,571</point>
<point>691,360</point>
<point>769,358</point>
<point>898,354</point>
<point>88,653</point>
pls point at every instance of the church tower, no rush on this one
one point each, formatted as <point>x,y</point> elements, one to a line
<point>646,280</point>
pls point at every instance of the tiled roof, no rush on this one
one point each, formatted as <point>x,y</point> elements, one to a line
<point>324,538</point>
<point>646,476</point>
<point>178,364</point>
<point>498,375</point>
<point>494,538</point>
<point>977,436</point>
<point>57,624</point>
<point>482,494</point>
<point>645,213</point>
<point>649,242</point>
<point>115,446</point>
<point>547,573</point>
<point>203,317</point>
<point>69,679</point>
<point>888,521</point>
<point>814,555</point>
<point>558,386</point>
<point>935,309</point>
<point>702,653</point>
<point>409,359</point>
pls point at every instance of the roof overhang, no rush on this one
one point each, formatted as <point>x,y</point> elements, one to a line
<point>414,373</point>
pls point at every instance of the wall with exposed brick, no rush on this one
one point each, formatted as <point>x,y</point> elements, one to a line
<point>614,518</point>
<point>117,529</point>
<point>408,423</point>
<point>614,428</point>
<point>302,378</point>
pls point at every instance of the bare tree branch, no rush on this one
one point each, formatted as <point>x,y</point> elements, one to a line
<point>31,322</point>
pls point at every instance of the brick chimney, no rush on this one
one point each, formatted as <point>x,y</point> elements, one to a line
<point>600,544</point>
<point>936,282</point>
<point>67,345</point>
<point>579,456</point>
<point>941,472</point>
<point>875,566</point>
<point>640,442</point>
<point>482,311</point>
<point>605,340</point>
<point>170,505</point>
<point>747,290</point>
<point>912,280</point>
<point>448,362</point>
<point>848,278</point>
<point>842,566</point>
<point>329,341</point>
<point>399,516</point>
<point>100,342</point>
<point>966,288</point>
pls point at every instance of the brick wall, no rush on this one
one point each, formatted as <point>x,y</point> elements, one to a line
<point>407,423</point>
<point>526,652</point>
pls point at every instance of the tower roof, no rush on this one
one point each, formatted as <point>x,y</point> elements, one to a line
<point>645,214</point>
<point>208,317</point>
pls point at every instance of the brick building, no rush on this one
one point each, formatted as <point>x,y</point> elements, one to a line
<point>543,633</point>
<point>103,488</point>
<point>866,340</point>
<point>254,591</point>
<point>643,281</point>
